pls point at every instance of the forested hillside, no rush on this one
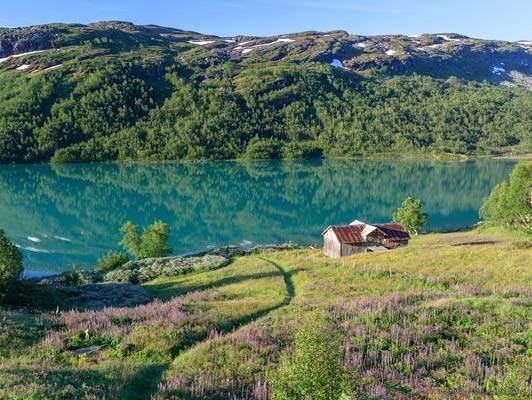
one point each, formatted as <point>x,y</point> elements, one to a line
<point>116,91</point>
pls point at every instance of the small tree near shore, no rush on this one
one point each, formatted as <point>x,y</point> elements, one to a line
<point>10,264</point>
<point>153,242</point>
<point>510,203</point>
<point>411,215</point>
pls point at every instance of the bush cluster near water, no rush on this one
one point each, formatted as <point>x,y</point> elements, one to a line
<point>152,268</point>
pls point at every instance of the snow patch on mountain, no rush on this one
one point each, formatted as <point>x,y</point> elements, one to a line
<point>525,44</point>
<point>250,49</point>
<point>360,45</point>
<point>431,47</point>
<point>449,39</point>
<point>496,70</point>
<point>391,52</point>
<point>245,43</point>
<point>201,42</point>
<point>54,67</point>
<point>29,53</point>
<point>23,67</point>
<point>337,63</point>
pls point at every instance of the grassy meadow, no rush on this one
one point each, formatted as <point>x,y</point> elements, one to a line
<point>448,317</point>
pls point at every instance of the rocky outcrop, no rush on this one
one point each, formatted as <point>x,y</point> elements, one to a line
<point>22,40</point>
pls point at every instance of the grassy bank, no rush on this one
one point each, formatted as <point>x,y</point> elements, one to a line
<point>447,317</point>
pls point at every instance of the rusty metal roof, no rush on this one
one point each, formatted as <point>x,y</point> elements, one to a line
<point>393,231</point>
<point>351,234</point>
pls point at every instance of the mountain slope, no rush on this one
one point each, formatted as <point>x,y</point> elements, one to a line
<point>438,55</point>
<point>114,90</point>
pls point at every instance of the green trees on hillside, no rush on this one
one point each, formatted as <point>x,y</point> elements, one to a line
<point>48,113</point>
<point>510,203</point>
<point>118,110</point>
<point>24,105</point>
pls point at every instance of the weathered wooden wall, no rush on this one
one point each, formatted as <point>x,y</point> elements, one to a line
<point>331,245</point>
<point>348,249</point>
<point>393,244</point>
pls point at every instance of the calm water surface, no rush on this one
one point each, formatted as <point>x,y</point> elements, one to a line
<point>63,215</point>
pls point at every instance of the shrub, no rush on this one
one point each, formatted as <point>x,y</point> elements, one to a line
<point>302,150</point>
<point>153,242</point>
<point>411,215</point>
<point>111,261</point>
<point>314,370</point>
<point>90,151</point>
<point>63,156</point>
<point>10,264</point>
<point>122,276</point>
<point>75,276</point>
<point>165,268</point>
<point>149,269</point>
<point>510,203</point>
<point>262,149</point>
<point>85,339</point>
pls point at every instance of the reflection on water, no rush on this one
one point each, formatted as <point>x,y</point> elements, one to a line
<point>61,215</point>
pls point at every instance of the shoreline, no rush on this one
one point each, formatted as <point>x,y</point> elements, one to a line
<point>437,157</point>
<point>516,157</point>
<point>228,252</point>
<point>231,251</point>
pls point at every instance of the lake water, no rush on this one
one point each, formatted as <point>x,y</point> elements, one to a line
<point>71,214</point>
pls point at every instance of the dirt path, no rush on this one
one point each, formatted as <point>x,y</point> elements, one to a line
<point>147,384</point>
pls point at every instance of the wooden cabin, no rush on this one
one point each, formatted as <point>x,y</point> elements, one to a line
<point>359,237</point>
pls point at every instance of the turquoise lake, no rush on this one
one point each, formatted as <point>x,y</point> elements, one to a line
<point>71,214</point>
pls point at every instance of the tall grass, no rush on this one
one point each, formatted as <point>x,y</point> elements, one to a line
<point>443,318</point>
